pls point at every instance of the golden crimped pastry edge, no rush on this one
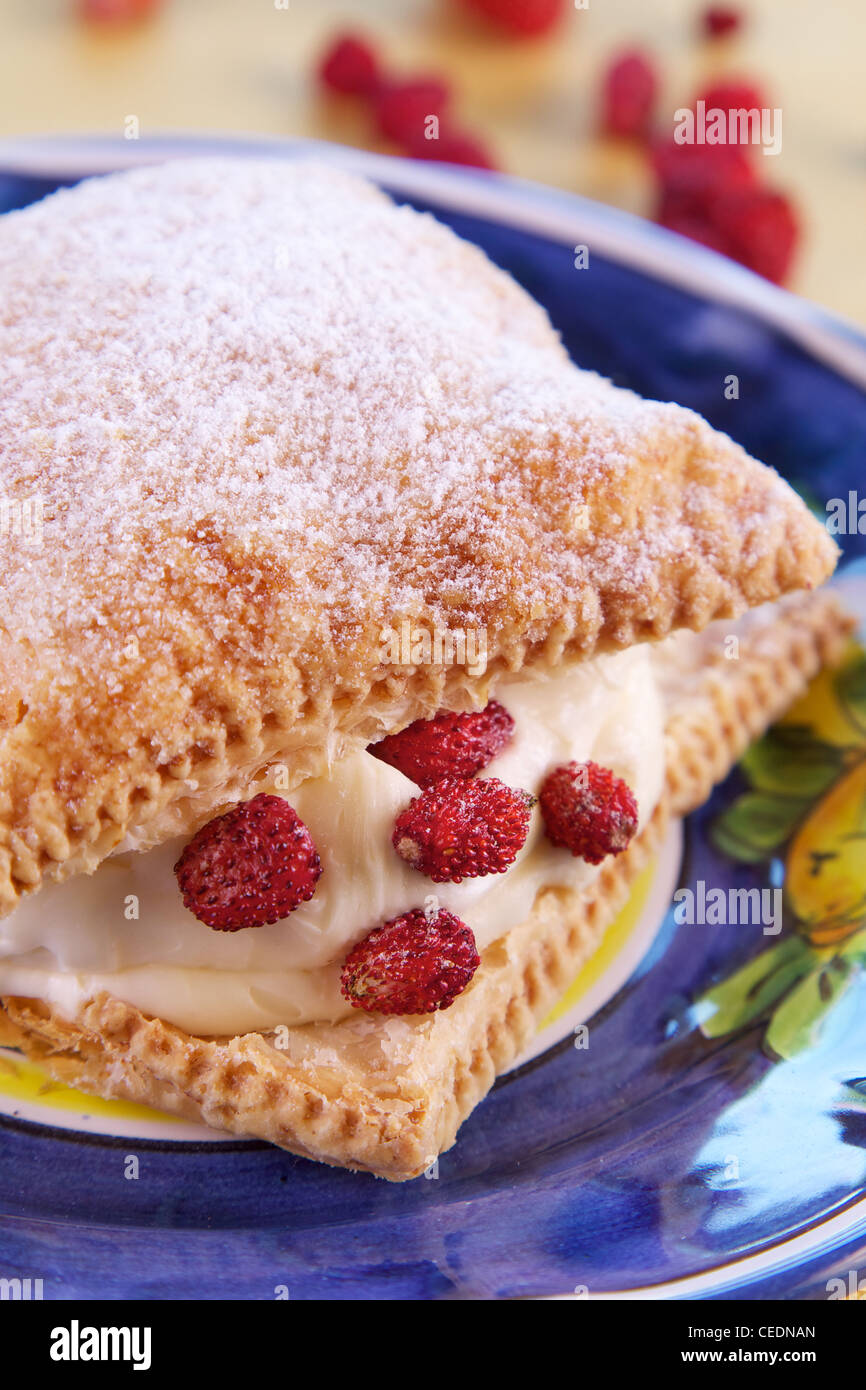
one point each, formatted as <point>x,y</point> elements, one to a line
<point>388,1096</point>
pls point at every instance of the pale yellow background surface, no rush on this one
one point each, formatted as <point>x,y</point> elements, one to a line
<point>245,65</point>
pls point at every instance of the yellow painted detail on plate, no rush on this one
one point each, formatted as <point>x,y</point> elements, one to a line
<point>23,1080</point>
<point>820,709</point>
<point>612,944</point>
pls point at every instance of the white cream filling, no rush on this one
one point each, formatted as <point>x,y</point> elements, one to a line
<point>76,938</point>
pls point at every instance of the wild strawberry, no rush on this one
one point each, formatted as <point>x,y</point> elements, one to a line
<point>628,96</point>
<point>109,10</point>
<point>453,147</point>
<point>457,829</point>
<point>350,66</point>
<point>448,745</point>
<point>253,865</point>
<point>692,177</point>
<point>411,965</point>
<point>678,215</point>
<point>718,20</point>
<point>733,96</point>
<point>694,174</point>
<point>522,18</point>
<point>403,108</point>
<point>588,809</point>
<point>760,230</point>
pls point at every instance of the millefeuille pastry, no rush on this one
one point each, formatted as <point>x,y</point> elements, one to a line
<point>357,648</point>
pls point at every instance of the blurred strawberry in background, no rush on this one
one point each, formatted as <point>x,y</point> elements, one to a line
<point>733,95</point>
<point>413,113</point>
<point>692,178</point>
<point>710,192</point>
<point>350,67</point>
<point>403,109</point>
<point>759,228</point>
<point>721,20</point>
<point>628,96</point>
<point>453,147</point>
<point>522,18</point>
<point>112,11</point>
<point>693,173</point>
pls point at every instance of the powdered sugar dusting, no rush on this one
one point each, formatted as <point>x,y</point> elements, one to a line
<point>273,355</point>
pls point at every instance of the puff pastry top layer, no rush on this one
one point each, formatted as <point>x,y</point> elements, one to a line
<point>260,414</point>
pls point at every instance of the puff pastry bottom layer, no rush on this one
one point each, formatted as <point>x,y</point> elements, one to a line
<point>387,1095</point>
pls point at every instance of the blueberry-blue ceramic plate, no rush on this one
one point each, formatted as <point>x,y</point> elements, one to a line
<point>710,1141</point>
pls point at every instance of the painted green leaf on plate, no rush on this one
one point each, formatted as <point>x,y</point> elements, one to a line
<point>757,824</point>
<point>755,987</point>
<point>797,1021</point>
<point>851,689</point>
<point>790,762</point>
